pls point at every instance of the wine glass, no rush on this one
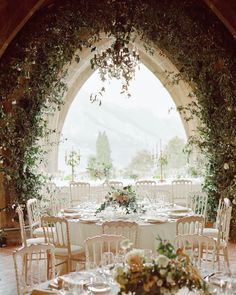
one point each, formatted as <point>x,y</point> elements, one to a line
<point>90,265</point>
<point>107,259</point>
<point>148,255</point>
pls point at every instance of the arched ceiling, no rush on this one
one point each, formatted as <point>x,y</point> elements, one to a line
<point>14,14</point>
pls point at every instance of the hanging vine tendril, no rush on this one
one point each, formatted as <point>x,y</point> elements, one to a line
<point>121,58</point>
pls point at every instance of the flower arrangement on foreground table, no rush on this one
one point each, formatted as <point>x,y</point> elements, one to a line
<point>169,272</point>
<point>124,198</point>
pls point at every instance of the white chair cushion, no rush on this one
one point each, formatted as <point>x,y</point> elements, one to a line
<point>75,250</point>
<point>35,241</point>
<point>38,232</point>
<point>210,232</point>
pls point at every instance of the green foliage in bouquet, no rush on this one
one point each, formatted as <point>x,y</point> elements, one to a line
<point>124,198</point>
<point>166,274</point>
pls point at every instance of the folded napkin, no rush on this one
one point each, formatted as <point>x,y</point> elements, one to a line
<point>71,210</point>
<point>156,219</point>
<point>181,210</point>
<point>88,220</point>
<point>43,292</point>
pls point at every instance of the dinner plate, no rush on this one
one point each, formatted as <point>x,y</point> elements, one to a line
<point>89,220</point>
<point>71,210</point>
<point>72,215</point>
<point>178,214</point>
<point>99,288</point>
<point>77,278</point>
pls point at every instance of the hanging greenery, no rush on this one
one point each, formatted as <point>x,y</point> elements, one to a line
<point>33,69</point>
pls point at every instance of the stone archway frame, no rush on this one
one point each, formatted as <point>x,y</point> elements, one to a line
<point>78,73</point>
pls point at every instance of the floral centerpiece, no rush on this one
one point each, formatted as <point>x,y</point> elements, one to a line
<point>124,198</point>
<point>169,272</point>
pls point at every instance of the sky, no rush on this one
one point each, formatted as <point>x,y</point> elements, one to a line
<point>131,124</point>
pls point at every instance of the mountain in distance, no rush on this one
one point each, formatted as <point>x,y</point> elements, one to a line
<point>128,129</point>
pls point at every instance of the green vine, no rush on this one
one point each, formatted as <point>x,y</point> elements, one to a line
<point>33,69</point>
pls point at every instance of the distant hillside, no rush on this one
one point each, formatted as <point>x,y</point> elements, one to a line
<point>128,130</point>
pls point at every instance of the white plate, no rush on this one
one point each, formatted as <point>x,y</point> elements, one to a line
<point>89,220</point>
<point>99,288</point>
<point>72,215</point>
<point>156,220</point>
<point>178,214</point>
<point>77,278</point>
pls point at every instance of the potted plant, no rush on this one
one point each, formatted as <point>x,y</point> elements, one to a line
<point>3,238</point>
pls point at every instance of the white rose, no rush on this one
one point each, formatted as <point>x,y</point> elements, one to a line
<point>226,166</point>
<point>162,261</point>
<point>169,279</point>
<point>162,272</point>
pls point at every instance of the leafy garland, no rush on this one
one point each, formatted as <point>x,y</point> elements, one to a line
<point>34,66</point>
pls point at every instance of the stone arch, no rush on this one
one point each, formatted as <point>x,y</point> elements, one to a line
<point>78,73</point>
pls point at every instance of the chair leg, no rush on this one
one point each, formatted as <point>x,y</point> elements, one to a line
<point>226,257</point>
<point>69,265</point>
<point>218,257</point>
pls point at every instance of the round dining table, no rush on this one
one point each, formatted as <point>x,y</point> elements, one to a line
<point>157,221</point>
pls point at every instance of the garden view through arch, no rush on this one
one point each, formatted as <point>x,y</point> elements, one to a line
<point>78,74</point>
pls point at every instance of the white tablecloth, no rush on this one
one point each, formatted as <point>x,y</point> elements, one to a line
<point>146,239</point>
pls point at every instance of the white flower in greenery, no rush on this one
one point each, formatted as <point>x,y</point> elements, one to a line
<point>162,272</point>
<point>159,283</point>
<point>115,195</point>
<point>162,261</point>
<point>134,253</point>
<point>226,166</point>
<point>169,279</point>
<point>126,244</point>
<point>234,201</point>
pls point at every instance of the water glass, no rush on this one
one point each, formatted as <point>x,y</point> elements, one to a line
<point>90,265</point>
<point>107,259</point>
<point>148,255</point>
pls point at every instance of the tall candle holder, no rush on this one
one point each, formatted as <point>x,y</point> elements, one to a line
<point>160,159</point>
<point>72,159</point>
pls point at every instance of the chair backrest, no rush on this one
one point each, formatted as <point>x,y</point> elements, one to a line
<point>223,224</point>
<point>33,265</point>
<point>145,182</point>
<point>190,225</point>
<point>145,188</point>
<point>98,193</point>
<point>79,192</point>
<point>158,195</point>
<point>96,246</point>
<point>180,190</point>
<point>20,213</point>
<point>33,214</point>
<point>197,201</point>
<point>201,249</point>
<point>128,229</point>
<point>56,232</point>
<point>116,184</point>
<point>223,203</point>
